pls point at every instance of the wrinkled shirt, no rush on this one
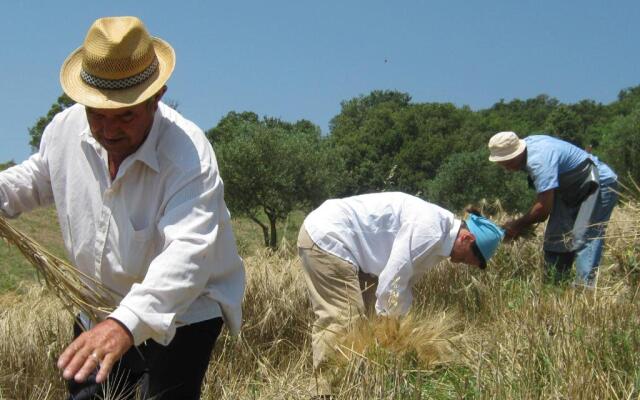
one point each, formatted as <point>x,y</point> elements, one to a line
<point>159,234</point>
<point>548,157</point>
<point>395,236</point>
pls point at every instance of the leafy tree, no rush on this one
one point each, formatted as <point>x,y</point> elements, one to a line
<point>565,124</point>
<point>6,165</point>
<point>230,124</point>
<point>591,116</point>
<point>387,143</point>
<point>577,123</point>
<point>468,177</point>
<point>271,168</point>
<point>627,101</point>
<point>621,145</point>
<point>366,139</point>
<point>36,131</point>
<point>520,116</point>
<point>354,112</point>
<point>430,132</point>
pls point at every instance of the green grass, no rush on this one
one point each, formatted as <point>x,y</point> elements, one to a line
<point>250,239</point>
<point>42,226</point>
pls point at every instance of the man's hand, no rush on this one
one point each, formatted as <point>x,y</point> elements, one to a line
<point>539,212</point>
<point>512,229</point>
<point>100,346</point>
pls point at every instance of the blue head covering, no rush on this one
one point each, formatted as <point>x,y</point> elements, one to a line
<point>488,235</point>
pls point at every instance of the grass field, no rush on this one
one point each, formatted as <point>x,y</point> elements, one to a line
<point>504,333</point>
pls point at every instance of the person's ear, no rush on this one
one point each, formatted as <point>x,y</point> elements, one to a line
<point>468,238</point>
<point>152,102</point>
<point>160,93</point>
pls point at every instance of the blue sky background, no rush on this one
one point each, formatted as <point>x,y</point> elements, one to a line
<point>300,59</point>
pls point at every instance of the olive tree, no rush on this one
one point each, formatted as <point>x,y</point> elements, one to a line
<point>271,168</point>
<point>36,131</point>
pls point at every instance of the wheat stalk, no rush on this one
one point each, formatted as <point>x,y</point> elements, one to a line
<point>72,286</point>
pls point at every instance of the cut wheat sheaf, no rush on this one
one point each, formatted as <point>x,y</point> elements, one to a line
<point>77,290</point>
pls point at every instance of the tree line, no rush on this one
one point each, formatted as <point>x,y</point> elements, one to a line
<point>383,141</point>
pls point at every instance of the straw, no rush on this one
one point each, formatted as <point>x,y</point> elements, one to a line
<point>72,286</point>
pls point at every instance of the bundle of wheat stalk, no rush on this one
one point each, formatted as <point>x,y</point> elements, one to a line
<point>76,289</point>
<point>432,340</point>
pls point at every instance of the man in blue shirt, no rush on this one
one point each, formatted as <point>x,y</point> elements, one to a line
<point>575,190</point>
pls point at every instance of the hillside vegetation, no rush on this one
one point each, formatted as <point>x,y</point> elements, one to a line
<point>385,141</point>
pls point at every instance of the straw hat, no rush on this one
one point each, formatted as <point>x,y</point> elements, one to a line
<point>119,65</point>
<point>504,146</point>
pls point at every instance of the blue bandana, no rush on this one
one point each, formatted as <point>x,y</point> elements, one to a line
<point>488,235</point>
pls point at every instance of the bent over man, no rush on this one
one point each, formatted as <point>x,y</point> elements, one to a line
<point>140,203</point>
<point>363,254</point>
<point>575,190</point>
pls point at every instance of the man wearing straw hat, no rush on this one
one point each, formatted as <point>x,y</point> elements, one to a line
<point>141,208</point>
<point>363,254</point>
<point>576,191</point>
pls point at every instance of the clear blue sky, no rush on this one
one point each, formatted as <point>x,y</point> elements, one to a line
<point>300,59</point>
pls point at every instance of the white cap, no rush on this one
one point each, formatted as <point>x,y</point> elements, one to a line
<point>505,146</point>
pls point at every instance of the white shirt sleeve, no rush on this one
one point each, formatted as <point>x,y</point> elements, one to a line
<point>395,293</point>
<point>26,186</point>
<point>3,204</point>
<point>179,274</point>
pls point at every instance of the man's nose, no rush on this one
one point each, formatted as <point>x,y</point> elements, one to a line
<point>110,129</point>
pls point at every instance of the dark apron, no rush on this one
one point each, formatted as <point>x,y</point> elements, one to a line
<point>573,205</point>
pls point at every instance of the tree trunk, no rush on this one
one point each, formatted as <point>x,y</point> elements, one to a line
<point>265,230</point>
<point>273,242</point>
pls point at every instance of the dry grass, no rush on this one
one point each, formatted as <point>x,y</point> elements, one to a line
<point>271,358</point>
<point>75,289</point>
<point>503,333</point>
<point>34,330</point>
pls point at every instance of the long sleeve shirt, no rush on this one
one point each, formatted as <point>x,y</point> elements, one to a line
<point>394,236</point>
<point>159,234</point>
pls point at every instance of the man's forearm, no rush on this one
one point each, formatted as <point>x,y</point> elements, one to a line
<point>24,187</point>
<point>538,213</point>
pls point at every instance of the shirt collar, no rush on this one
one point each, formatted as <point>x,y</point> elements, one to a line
<point>147,153</point>
<point>450,238</point>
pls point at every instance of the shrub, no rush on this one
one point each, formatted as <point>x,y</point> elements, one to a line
<point>468,177</point>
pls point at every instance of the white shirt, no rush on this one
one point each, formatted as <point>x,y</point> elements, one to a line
<point>394,236</point>
<point>159,234</point>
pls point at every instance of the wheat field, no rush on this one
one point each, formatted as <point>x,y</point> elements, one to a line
<point>502,333</point>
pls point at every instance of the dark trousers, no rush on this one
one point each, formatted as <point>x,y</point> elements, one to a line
<point>154,371</point>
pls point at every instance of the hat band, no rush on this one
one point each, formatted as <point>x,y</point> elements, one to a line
<point>125,83</point>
